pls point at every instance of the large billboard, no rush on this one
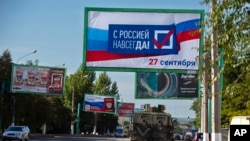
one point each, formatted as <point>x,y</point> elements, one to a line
<point>150,85</point>
<point>37,80</point>
<point>142,39</point>
<point>99,103</point>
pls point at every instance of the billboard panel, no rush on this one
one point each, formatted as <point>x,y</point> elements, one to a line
<point>166,85</point>
<point>126,109</point>
<point>37,80</point>
<point>98,103</point>
<point>142,39</point>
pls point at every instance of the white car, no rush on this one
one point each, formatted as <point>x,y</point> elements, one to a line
<point>16,133</point>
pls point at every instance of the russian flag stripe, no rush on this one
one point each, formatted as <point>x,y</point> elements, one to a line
<point>188,35</point>
<point>104,55</point>
<point>187,25</point>
<point>97,45</point>
<point>97,34</point>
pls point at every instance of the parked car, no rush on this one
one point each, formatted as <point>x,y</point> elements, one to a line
<point>121,131</point>
<point>178,136</point>
<point>198,136</point>
<point>16,133</point>
<point>188,136</point>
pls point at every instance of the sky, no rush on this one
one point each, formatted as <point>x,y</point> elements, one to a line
<point>55,29</point>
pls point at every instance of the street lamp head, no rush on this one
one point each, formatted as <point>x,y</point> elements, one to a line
<point>60,65</point>
<point>34,51</point>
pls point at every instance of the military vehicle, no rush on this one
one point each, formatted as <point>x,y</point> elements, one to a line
<point>152,124</point>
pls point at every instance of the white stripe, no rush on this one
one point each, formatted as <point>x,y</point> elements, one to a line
<point>101,19</point>
<point>185,17</point>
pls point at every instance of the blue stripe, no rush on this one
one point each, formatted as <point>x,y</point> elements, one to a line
<point>97,45</point>
<point>97,34</point>
<point>97,104</point>
<point>187,25</point>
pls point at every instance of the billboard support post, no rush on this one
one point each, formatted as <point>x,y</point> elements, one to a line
<point>78,118</point>
<point>72,111</point>
<point>13,96</point>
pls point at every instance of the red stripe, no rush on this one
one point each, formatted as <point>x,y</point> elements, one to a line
<point>188,35</point>
<point>104,56</point>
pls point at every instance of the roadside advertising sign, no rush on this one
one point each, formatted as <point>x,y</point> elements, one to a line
<point>98,103</point>
<point>126,109</point>
<point>37,80</point>
<point>142,39</point>
<point>166,85</point>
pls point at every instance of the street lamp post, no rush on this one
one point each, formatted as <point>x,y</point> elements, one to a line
<point>25,56</point>
<point>72,111</point>
<point>60,65</point>
<point>95,114</point>
<point>13,96</point>
<point>78,112</point>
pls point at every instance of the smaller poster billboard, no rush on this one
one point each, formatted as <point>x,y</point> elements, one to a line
<point>126,109</point>
<point>98,103</point>
<point>37,80</point>
<point>167,85</point>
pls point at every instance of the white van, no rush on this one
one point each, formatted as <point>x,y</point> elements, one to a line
<point>239,120</point>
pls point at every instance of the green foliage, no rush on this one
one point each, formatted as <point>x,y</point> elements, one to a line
<point>76,86</point>
<point>102,84</point>
<point>5,65</point>
<point>196,106</point>
<point>5,97</point>
<point>230,20</point>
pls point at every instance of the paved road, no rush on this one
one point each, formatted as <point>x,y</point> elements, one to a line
<point>76,138</point>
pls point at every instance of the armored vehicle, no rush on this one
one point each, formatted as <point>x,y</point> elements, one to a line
<point>152,125</point>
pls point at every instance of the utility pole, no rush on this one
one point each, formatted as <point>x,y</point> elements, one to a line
<point>13,97</point>
<point>216,107</point>
<point>204,115</point>
<point>72,111</point>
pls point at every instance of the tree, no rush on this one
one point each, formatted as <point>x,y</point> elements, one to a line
<point>104,86</point>
<point>76,86</point>
<point>5,97</point>
<point>230,19</point>
<point>196,106</point>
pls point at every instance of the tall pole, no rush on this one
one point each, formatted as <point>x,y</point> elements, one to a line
<point>72,111</point>
<point>204,119</point>
<point>216,113</point>
<point>78,118</point>
<point>13,96</point>
<point>25,56</point>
